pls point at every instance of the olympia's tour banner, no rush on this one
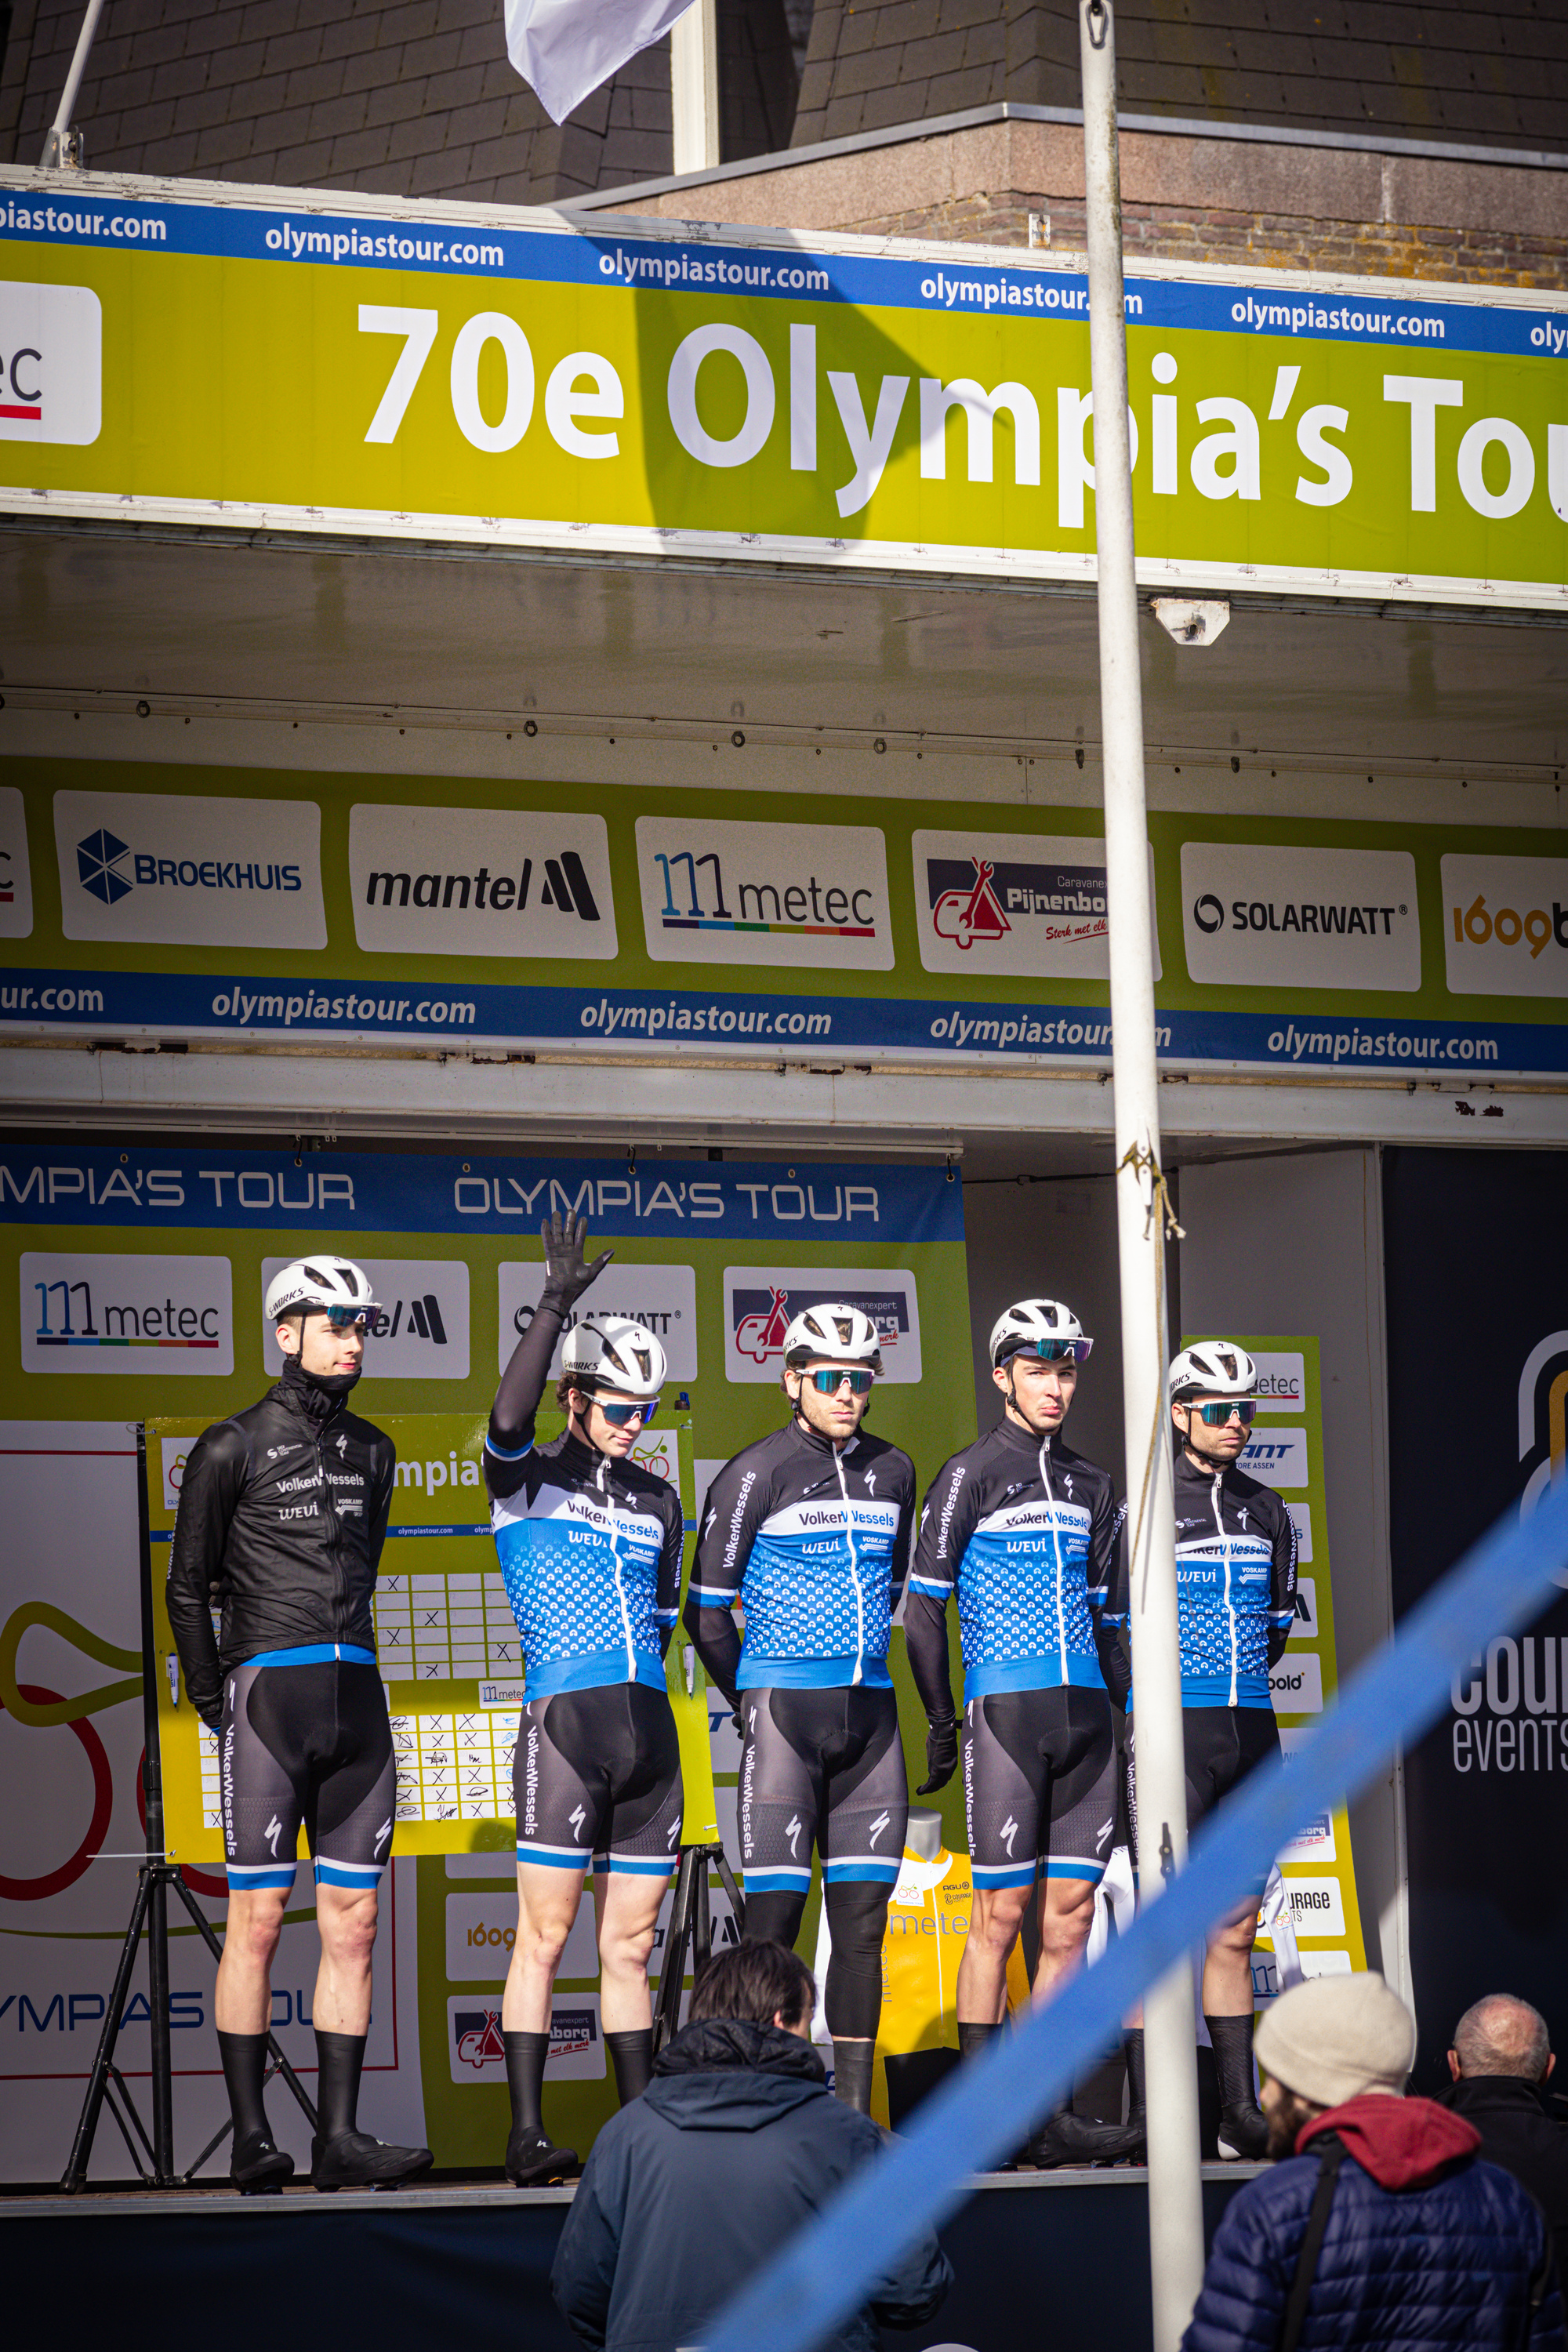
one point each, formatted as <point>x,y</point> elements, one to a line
<point>457,375</point>
<point>158,901</point>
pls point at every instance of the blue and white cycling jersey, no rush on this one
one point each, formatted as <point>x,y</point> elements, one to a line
<point>1024,1532</point>
<point>1236,1585</point>
<point>591,1550</point>
<point>811,1539</point>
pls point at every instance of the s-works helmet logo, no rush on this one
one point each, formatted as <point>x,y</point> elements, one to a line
<point>1207,912</point>
<point>98,865</point>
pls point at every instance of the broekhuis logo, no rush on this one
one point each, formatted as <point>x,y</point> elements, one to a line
<point>1257,916</point>
<point>1505,928</point>
<point>480,882</point>
<point>86,1311</point>
<point>176,869</point>
<point>420,1332</point>
<point>1033,905</point>
<point>51,364</point>
<point>808,895</point>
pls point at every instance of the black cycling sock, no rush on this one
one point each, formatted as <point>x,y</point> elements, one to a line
<point>774,1919</point>
<point>857,1919</point>
<point>244,2072</point>
<point>339,2057</point>
<point>973,2039</point>
<point>525,2057</point>
<point>1137,2096</point>
<point>632,2056</point>
<point>852,2064</point>
<point>1232,2039</point>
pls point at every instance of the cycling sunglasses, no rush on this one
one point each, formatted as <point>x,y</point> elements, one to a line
<point>1055,1352</point>
<point>346,1318</point>
<point>827,1380</point>
<point>1216,1416</point>
<point>620,1415</point>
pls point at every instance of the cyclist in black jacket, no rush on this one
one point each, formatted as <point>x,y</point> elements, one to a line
<point>283,1510</point>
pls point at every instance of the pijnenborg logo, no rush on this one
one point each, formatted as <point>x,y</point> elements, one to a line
<point>99,867</point>
<point>968,912</point>
<point>759,1305</point>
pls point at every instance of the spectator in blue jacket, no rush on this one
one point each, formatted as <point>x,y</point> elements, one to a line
<point>1425,2247</point>
<point>734,2144</point>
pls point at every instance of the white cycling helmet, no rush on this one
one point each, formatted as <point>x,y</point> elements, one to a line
<point>610,1351</point>
<point>316,1283</point>
<point>1214,1368</point>
<point>843,1334</point>
<point>1028,1321</point>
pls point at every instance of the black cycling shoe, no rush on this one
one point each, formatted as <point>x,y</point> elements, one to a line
<point>533,2161</point>
<point>1076,2139</point>
<point>354,2160</point>
<point>1243,2135</point>
<point>260,2167</point>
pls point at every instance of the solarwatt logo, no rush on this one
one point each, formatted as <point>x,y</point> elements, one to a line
<point>100,866</point>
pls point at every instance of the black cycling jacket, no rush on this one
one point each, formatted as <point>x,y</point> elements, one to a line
<point>284,1509</point>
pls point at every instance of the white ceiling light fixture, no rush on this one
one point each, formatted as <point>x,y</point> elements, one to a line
<point>1193,620</point>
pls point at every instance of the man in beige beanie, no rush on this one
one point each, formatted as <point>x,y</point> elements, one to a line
<point>1379,2226</point>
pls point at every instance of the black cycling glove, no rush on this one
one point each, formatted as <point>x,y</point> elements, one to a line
<point>941,1756</point>
<point>565,1276</point>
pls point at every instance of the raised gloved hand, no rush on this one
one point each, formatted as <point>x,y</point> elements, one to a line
<point>565,1276</point>
<point>941,1756</point>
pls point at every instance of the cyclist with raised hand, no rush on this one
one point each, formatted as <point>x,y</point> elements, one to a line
<point>283,1509</point>
<point>1235,1593</point>
<point>590,1546</point>
<point>1024,1532</point>
<point>809,1530</point>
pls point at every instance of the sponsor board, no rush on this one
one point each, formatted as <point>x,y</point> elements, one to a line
<point>760,1302</point>
<point>16,870</point>
<point>663,1297</point>
<point>1296,1684</point>
<point>51,364</point>
<point>481,1930</point>
<point>183,870</point>
<point>1314,1842</point>
<point>1324,1964</point>
<point>174,1454</point>
<point>1316,1907</point>
<point>1030,905</point>
<point>658,1451</point>
<point>1281,1383</point>
<point>1302,1520</point>
<point>722,892</point>
<point>477,2054</point>
<point>506,1695</point>
<point>1254,916</point>
<point>84,1312</point>
<point>1306,1627</point>
<point>1276,1456</point>
<point>1505,925</point>
<point>420,1330</point>
<point>479,882</point>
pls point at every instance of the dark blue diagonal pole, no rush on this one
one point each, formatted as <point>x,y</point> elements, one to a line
<point>830,2268</point>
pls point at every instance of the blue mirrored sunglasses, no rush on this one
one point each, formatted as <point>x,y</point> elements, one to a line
<point>620,1415</point>
<point>827,1380</point>
<point>1216,1416</point>
<point>347,1318</point>
<point>1056,1351</point>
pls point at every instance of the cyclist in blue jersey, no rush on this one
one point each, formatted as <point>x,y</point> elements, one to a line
<point>1235,1596</point>
<point>809,1530</point>
<point>1024,1532</point>
<point>590,1547</point>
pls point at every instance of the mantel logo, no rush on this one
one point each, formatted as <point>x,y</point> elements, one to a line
<point>480,882</point>
<point>1260,917</point>
<point>663,1297</point>
<point>807,896</point>
<point>86,1312</point>
<point>15,873</point>
<point>420,1330</point>
<point>1032,905</point>
<point>51,364</point>
<point>169,868</point>
<point>1505,925</point>
<point>760,1302</point>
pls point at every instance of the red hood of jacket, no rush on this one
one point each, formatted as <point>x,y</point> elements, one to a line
<point>1403,2143</point>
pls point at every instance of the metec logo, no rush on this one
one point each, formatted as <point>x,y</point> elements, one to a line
<point>728,893</point>
<point>83,1311</point>
<point>51,364</point>
<point>185,870</point>
<point>1033,905</point>
<point>480,882</point>
<point>760,1302</point>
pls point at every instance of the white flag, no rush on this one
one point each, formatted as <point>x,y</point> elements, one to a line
<point>566,48</point>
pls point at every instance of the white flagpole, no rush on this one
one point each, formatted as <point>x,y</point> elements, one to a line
<point>1175,2202</point>
<point>694,87</point>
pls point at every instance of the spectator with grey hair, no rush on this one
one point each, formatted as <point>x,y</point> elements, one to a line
<point>1500,2062</point>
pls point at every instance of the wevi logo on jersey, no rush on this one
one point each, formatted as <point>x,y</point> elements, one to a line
<point>89,1311</point>
<point>420,1328</point>
<point>719,892</point>
<point>51,364</point>
<point>1031,905</point>
<point>760,1302</point>
<point>480,882</point>
<point>176,869</point>
<point>661,1297</point>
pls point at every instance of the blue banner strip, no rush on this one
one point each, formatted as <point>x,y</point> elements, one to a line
<point>297,235</point>
<point>991,2103</point>
<point>462,1015</point>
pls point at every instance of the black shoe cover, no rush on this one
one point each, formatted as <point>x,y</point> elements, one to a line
<point>1076,2139</point>
<point>354,2160</point>
<point>533,2161</point>
<point>260,2167</point>
<point>1243,2135</point>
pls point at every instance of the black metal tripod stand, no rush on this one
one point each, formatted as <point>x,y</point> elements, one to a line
<point>690,1930</point>
<point>154,2156</point>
